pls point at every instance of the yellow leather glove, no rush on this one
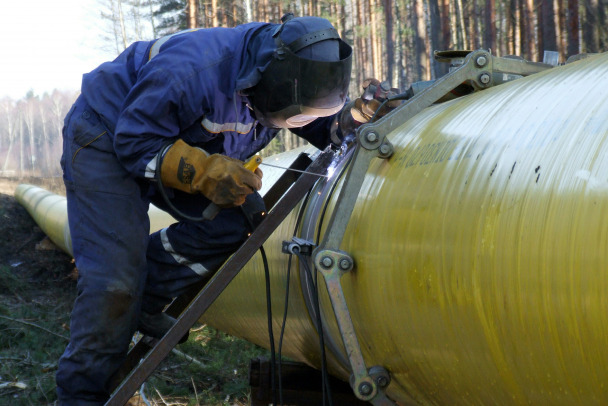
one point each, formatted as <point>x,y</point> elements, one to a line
<point>221,179</point>
<point>374,94</point>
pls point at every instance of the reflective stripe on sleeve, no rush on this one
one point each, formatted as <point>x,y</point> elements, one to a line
<point>220,127</point>
<point>180,259</point>
<point>150,172</point>
<point>159,42</point>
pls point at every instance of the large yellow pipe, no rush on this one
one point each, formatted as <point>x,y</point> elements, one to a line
<point>481,252</point>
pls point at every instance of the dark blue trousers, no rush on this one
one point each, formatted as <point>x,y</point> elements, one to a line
<point>123,268</point>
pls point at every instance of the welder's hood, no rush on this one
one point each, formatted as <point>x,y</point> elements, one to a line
<point>306,77</point>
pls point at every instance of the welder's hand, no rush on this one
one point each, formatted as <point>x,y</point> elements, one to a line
<point>374,94</point>
<point>221,179</point>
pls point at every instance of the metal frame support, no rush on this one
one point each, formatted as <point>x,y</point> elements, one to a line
<point>478,69</point>
<point>145,361</point>
<point>367,384</point>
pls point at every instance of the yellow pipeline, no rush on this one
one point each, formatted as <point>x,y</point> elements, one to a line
<point>481,251</point>
<point>49,211</point>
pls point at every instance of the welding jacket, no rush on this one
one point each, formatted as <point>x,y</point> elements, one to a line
<point>189,85</point>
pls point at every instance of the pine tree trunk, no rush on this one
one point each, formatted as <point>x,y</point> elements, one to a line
<point>590,42</point>
<point>521,27</point>
<point>401,49</point>
<point>549,41</point>
<point>474,35</point>
<point>454,25</point>
<point>248,11</point>
<point>374,51</point>
<point>421,42</point>
<point>192,14</point>
<point>445,26</point>
<point>435,37</point>
<point>462,26</point>
<point>215,22</point>
<point>510,21</point>
<point>573,37</point>
<point>530,44</point>
<point>602,35</point>
<point>562,28</point>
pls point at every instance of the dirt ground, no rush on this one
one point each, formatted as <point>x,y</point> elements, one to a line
<point>23,246</point>
<point>36,292</point>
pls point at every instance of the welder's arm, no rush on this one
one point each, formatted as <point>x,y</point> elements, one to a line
<point>221,179</point>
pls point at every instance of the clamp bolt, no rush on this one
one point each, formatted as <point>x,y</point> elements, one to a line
<point>345,264</point>
<point>365,389</point>
<point>371,137</point>
<point>327,262</point>
<point>484,78</point>
<point>481,61</point>
<point>382,381</point>
<point>385,149</point>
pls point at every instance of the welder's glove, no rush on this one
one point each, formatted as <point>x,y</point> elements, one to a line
<point>374,94</point>
<point>362,109</point>
<point>221,179</point>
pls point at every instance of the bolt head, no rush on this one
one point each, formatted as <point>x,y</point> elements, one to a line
<point>484,78</point>
<point>365,388</point>
<point>345,264</point>
<point>371,137</point>
<point>327,262</point>
<point>382,381</point>
<point>481,61</point>
<point>385,149</point>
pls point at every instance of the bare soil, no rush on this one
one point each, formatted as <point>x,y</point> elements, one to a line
<point>36,292</point>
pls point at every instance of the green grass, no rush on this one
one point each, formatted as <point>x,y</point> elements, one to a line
<point>33,335</point>
<point>30,343</point>
<point>34,319</point>
<point>220,380</point>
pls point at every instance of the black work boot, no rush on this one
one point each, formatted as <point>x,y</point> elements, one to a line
<point>157,325</point>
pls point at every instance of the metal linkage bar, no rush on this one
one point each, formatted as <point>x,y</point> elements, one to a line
<point>477,69</point>
<point>333,264</point>
<point>220,281</point>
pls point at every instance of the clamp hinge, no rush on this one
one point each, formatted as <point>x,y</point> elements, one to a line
<point>298,246</point>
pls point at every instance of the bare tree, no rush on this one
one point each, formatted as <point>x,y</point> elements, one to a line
<point>8,110</point>
<point>29,114</point>
<point>127,22</point>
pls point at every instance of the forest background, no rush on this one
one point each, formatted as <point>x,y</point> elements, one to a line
<point>392,39</point>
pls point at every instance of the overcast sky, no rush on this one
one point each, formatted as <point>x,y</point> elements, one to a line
<point>47,44</point>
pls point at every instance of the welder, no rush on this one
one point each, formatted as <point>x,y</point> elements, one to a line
<point>181,113</point>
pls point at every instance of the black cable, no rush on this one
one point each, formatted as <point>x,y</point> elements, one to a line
<point>284,322</point>
<point>268,308</point>
<point>161,188</point>
<point>313,288</point>
<point>400,96</point>
<point>270,330</point>
<point>283,330</point>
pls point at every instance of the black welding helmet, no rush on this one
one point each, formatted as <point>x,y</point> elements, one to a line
<point>307,77</point>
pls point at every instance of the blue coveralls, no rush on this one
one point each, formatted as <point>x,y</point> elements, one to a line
<point>129,108</point>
